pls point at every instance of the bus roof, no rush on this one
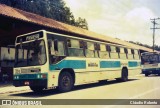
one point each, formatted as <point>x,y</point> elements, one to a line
<point>94,40</point>
<point>149,53</point>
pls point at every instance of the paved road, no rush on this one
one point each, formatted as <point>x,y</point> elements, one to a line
<point>138,87</point>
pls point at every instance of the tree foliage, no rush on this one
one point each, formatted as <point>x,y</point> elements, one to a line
<point>54,9</point>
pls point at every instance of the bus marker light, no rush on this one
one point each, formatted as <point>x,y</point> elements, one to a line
<point>43,76</point>
<point>17,77</point>
<point>53,76</point>
<point>26,83</point>
<point>38,76</point>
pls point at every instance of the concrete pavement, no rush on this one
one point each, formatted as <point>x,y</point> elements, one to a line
<point>138,87</point>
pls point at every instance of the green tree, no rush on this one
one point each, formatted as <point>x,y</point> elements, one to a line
<point>54,9</point>
<point>82,23</point>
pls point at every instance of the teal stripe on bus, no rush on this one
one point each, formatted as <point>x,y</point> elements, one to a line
<point>29,76</point>
<point>110,64</point>
<point>74,64</point>
<point>133,64</point>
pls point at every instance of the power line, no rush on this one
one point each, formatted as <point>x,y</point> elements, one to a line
<point>154,28</point>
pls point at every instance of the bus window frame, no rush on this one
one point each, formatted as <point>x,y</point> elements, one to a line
<point>70,46</point>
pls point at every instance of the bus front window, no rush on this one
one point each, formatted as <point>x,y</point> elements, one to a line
<point>150,59</point>
<point>30,54</point>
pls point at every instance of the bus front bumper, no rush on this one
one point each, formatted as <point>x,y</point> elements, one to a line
<point>151,71</point>
<point>30,80</point>
<point>37,82</point>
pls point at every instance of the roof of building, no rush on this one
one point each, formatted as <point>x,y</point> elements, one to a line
<point>37,19</point>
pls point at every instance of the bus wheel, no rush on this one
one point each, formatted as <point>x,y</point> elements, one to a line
<point>36,88</point>
<point>124,77</point>
<point>146,74</point>
<point>65,82</point>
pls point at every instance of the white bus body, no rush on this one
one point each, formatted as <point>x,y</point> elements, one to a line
<point>64,61</point>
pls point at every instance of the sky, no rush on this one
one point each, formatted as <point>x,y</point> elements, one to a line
<point>124,19</point>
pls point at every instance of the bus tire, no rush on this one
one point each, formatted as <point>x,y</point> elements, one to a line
<point>65,82</point>
<point>124,77</point>
<point>36,88</point>
<point>146,74</point>
<point>102,82</point>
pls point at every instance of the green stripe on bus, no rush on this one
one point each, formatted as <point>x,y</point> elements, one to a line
<point>30,76</point>
<point>133,64</point>
<point>74,64</point>
<point>110,64</point>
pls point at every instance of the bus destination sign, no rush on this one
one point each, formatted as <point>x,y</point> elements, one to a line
<point>30,37</point>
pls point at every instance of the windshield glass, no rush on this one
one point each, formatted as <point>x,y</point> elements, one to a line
<point>30,54</point>
<point>150,59</point>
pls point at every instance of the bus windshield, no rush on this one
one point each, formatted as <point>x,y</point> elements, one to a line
<point>30,54</point>
<point>150,59</point>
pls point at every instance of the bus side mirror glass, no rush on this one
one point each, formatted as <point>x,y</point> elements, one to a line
<point>56,45</point>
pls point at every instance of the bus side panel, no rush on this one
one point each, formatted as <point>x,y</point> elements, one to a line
<point>110,69</point>
<point>135,71</point>
<point>134,67</point>
<point>53,79</point>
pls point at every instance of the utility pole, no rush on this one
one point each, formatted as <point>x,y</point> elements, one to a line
<point>154,28</point>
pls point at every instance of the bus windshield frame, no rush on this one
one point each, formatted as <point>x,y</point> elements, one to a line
<point>32,53</point>
<point>150,58</point>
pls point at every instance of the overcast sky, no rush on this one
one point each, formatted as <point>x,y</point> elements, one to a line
<point>124,19</point>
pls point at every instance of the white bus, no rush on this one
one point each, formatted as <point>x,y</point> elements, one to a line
<point>48,60</point>
<point>150,63</point>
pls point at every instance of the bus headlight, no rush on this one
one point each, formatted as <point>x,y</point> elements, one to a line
<point>16,77</point>
<point>43,76</point>
<point>38,76</point>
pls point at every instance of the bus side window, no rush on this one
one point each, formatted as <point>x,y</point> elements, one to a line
<point>108,48</point>
<point>51,47</point>
<point>96,51</point>
<point>130,55</point>
<point>61,51</point>
<point>122,53</point>
<point>58,53</point>
<point>118,51</point>
<point>103,52</point>
<point>68,42</point>
<point>126,52</point>
<point>136,54</point>
<point>132,51</point>
<point>89,51</point>
<point>114,54</point>
<point>75,47</point>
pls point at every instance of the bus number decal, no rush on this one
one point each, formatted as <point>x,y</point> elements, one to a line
<point>92,65</point>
